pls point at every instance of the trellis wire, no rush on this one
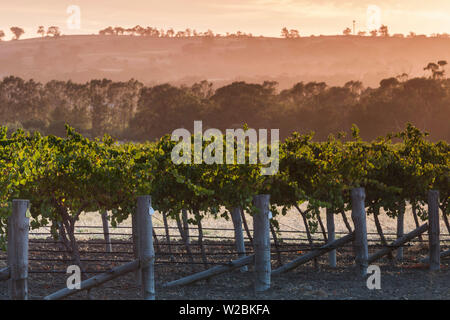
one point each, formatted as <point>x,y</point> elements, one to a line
<point>300,247</point>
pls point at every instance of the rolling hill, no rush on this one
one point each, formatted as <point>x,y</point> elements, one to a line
<point>333,59</point>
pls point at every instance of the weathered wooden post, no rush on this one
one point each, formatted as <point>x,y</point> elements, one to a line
<point>146,250</point>
<point>331,237</point>
<point>108,244</point>
<point>18,250</point>
<point>359,220</point>
<point>433,230</point>
<point>261,242</point>
<point>136,246</point>
<point>238,234</point>
<point>400,230</point>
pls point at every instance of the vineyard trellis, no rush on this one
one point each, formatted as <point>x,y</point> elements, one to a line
<point>63,177</point>
<point>132,265</point>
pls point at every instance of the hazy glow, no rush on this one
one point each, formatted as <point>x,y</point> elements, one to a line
<point>265,17</point>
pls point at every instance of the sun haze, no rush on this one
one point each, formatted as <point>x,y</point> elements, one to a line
<point>259,17</point>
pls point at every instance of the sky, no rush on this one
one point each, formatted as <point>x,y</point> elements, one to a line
<point>259,17</point>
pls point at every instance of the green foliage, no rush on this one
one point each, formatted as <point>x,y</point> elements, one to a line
<point>63,177</point>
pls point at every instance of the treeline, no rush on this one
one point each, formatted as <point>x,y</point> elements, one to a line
<point>154,32</point>
<point>52,31</point>
<point>169,33</point>
<point>132,111</point>
<point>286,33</point>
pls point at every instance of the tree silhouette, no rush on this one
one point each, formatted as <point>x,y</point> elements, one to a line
<point>293,34</point>
<point>389,83</point>
<point>53,31</point>
<point>187,33</point>
<point>402,77</point>
<point>119,31</point>
<point>131,110</point>
<point>2,34</point>
<point>203,89</point>
<point>209,33</point>
<point>41,31</point>
<point>140,31</point>
<point>285,33</point>
<point>130,31</point>
<point>442,63</point>
<point>18,32</point>
<point>384,31</point>
<point>107,31</point>
<point>170,33</point>
<point>355,87</point>
<point>347,31</point>
<point>437,69</point>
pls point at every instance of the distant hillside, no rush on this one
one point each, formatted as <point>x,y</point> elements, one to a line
<point>333,59</point>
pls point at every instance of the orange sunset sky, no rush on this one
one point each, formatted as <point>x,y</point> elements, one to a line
<point>259,17</point>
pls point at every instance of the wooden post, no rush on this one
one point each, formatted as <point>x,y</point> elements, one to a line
<point>238,234</point>
<point>146,251</point>
<point>135,236</point>
<point>108,245</point>
<point>18,250</point>
<point>359,221</point>
<point>331,237</point>
<point>433,231</point>
<point>261,240</point>
<point>400,230</point>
